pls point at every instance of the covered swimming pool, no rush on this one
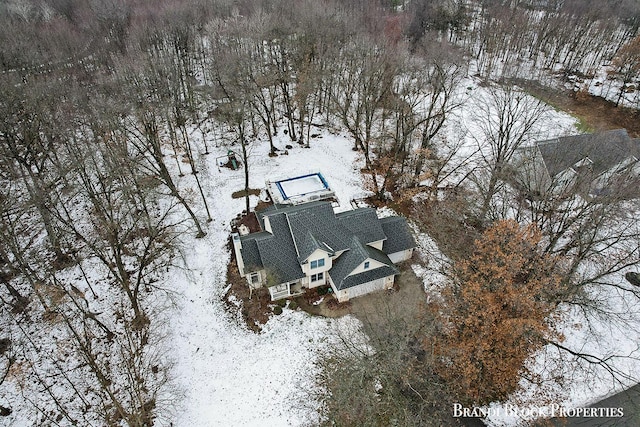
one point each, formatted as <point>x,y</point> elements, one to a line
<point>299,189</point>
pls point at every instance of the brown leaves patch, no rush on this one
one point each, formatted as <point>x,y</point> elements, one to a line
<point>497,312</point>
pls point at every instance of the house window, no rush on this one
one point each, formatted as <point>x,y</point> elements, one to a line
<point>317,277</point>
<point>366,265</point>
<point>317,263</point>
<point>255,278</point>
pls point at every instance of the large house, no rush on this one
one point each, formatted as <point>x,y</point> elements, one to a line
<point>309,245</point>
<point>591,164</point>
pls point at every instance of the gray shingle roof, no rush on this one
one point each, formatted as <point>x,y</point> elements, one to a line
<point>604,149</point>
<point>377,255</point>
<point>277,252</point>
<point>308,244</point>
<point>316,228</point>
<point>367,276</point>
<point>399,237</point>
<point>250,253</point>
<point>301,229</point>
<point>356,255</point>
<point>363,223</point>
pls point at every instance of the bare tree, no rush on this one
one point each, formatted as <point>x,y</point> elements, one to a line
<point>627,66</point>
<point>29,139</point>
<point>279,46</point>
<point>105,361</point>
<point>106,365</point>
<point>443,77</point>
<point>364,87</point>
<point>384,372</point>
<point>128,236</point>
<point>501,125</point>
<point>12,214</point>
<point>230,77</point>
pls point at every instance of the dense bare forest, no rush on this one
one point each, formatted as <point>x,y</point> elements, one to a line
<point>107,108</point>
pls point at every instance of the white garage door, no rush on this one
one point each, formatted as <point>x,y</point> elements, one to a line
<point>365,288</point>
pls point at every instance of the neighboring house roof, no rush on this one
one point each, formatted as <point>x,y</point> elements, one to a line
<point>603,150</point>
<point>399,237</point>
<point>300,230</point>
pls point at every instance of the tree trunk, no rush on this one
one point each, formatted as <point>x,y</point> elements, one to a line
<point>245,160</point>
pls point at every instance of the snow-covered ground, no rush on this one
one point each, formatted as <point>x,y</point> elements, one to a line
<point>610,89</point>
<point>462,138</point>
<point>613,338</point>
<point>227,375</point>
<point>224,373</point>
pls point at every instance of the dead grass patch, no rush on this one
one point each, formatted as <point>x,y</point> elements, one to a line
<point>241,193</point>
<point>595,113</point>
<point>322,304</point>
<point>249,220</point>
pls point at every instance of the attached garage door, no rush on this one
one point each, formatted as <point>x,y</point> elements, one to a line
<point>397,257</point>
<point>365,288</point>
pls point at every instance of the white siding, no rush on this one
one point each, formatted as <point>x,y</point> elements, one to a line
<point>533,174</point>
<point>338,253</point>
<point>365,288</point>
<point>378,244</point>
<point>564,180</point>
<point>237,246</point>
<point>308,271</point>
<point>316,255</point>
<point>279,291</point>
<point>397,257</point>
<point>262,278</point>
<point>317,283</point>
<point>373,264</point>
<point>635,169</point>
<point>626,166</point>
<point>267,224</point>
<point>340,295</point>
<point>307,283</point>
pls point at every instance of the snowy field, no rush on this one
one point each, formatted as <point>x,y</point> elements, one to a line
<point>224,373</point>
